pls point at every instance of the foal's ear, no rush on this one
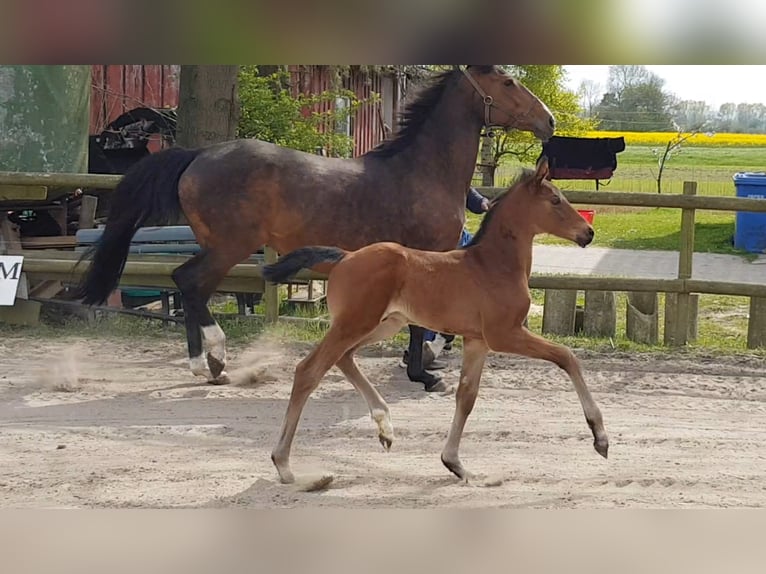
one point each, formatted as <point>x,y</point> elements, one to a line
<point>542,170</point>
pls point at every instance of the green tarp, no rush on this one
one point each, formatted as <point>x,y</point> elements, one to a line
<point>44,117</point>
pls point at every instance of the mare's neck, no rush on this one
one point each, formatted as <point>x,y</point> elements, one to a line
<point>447,143</point>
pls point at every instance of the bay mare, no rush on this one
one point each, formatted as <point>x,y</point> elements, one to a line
<point>241,195</point>
<point>480,292</point>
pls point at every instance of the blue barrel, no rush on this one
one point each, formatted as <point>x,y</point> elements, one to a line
<point>750,227</point>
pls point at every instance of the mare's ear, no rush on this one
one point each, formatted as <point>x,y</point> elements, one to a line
<point>542,170</point>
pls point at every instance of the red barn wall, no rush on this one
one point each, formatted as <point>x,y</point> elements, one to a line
<point>119,88</point>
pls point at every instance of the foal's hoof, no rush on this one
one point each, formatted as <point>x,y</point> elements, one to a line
<point>601,446</point>
<point>215,365</point>
<point>385,441</point>
<point>456,468</point>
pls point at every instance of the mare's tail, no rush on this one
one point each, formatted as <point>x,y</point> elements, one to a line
<point>148,190</point>
<point>303,258</point>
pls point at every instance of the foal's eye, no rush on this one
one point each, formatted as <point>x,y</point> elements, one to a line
<point>555,200</point>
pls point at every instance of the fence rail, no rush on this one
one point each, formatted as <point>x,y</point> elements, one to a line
<point>140,270</point>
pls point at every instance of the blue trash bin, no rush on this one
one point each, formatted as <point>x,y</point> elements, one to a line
<point>750,227</point>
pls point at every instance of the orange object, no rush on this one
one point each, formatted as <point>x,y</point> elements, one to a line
<point>587,214</point>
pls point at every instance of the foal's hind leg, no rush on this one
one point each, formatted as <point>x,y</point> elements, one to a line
<point>308,374</point>
<point>474,354</point>
<point>521,342</point>
<point>378,407</point>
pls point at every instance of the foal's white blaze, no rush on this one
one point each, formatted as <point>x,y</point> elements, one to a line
<point>215,341</point>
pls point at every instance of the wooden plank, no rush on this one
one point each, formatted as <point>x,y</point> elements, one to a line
<point>134,86</point>
<point>115,89</point>
<point>683,305</point>
<point>88,205</point>
<point>22,312</point>
<point>10,192</point>
<point>10,240</point>
<point>97,111</point>
<point>55,179</point>
<point>57,242</point>
<point>271,291</point>
<point>756,325</point>
<point>715,203</point>
<point>170,85</point>
<point>153,85</point>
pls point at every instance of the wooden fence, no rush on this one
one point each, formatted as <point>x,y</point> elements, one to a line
<point>155,270</point>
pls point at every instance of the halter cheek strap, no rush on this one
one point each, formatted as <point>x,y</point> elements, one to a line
<point>489,103</point>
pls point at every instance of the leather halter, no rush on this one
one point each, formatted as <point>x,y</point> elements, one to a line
<point>489,103</point>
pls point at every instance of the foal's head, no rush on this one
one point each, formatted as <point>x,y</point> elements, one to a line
<point>544,208</point>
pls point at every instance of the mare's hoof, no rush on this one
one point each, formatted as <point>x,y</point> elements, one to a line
<point>216,366</point>
<point>222,379</point>
<point>438,387</point>
<point>425,377</point>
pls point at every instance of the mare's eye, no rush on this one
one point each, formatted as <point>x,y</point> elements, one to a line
<point>510,82</point>
<point>555,200</point>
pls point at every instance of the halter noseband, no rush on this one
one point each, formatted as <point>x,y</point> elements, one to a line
<point>489,103</point>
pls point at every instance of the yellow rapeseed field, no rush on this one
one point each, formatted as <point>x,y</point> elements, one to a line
<point>700,139</point>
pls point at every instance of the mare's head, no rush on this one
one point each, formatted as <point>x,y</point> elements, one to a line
<point>534,202</point>
<point>506,102</point>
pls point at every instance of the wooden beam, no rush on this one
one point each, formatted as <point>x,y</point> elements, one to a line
<point>271,292</point>
<point>23,192</point>
<point>74,180</point>
<point>715,203</point>
<point>686,253</point>
<point>88,205</point>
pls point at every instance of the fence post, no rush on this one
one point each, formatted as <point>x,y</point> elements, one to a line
<point>756,323</point>
<point>685,257</point>
<point>271,290</point>
<point>559,308</point>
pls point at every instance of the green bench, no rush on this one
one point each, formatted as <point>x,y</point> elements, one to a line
<point>164,240</point>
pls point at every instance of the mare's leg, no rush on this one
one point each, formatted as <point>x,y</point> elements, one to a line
<point>474,354</point>
<point>415,370</point>
<point>521,342</point>
<point>197,279</point>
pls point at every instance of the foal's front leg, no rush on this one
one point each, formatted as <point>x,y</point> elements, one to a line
<point>474,354</point>
<point>521,342</point>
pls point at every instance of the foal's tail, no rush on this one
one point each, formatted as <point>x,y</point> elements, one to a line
<point>303,258</point>
<point>148,190</point>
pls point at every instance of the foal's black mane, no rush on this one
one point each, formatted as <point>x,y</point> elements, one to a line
<point>523,176</point>
<point>415,113</point>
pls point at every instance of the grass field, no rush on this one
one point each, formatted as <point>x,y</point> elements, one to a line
<point>711,166</point>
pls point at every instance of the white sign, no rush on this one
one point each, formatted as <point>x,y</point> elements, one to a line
<point>10,273</point>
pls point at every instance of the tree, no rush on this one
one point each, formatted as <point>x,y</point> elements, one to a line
<point>623,77</point>
<point>692,113</point>
<point>208,110</point>
<point>308,122</point>
<point>590,93</point>
<point>635,101</point>
<point>673,146</point>
<point>547,82</point>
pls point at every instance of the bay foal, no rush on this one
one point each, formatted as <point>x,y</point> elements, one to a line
<point>480,292</point>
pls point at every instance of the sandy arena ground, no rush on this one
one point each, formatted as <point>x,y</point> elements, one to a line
<point>106,423</point>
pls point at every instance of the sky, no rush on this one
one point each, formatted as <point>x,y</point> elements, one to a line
<point>714,84</point>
